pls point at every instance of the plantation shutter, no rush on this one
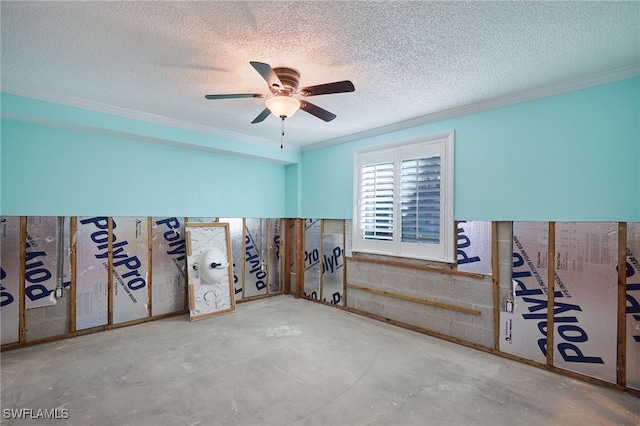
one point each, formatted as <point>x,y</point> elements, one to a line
<point>420,200</point>
<point>377,201</point>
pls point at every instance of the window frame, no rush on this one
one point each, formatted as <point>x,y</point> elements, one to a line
<point>442,145</point>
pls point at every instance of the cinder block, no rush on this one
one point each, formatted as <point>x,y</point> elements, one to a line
<point>393,280</point>
<point>472,333</point>
<point>34,315</point>
<point>370,306</point>
<point>333,226</point>
<point>505,231</point>
<point>358,273</point>
<point>479,292</point>
<point>430,284</point>
<point>47,328</point>
<point>60,310</point>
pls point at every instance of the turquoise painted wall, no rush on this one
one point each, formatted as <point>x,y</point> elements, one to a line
<point>18,108</point>
<point>569,157</point>
<point>292,190</point>
<point>49,171</point>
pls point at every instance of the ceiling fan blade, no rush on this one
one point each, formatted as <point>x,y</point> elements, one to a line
<point>312,109</point>
<point>260,118</point>
<point>328,88</point>
<point>236,96</point>
<point>268,74</point>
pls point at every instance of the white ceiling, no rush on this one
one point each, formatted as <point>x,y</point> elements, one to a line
<point>406,59</point>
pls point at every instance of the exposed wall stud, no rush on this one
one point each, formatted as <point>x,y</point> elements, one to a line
<point>496,285</point>
<point>551,271</point>
<point>622,303</point>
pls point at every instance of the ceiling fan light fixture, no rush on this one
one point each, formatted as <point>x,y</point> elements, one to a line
<point>283,106</point>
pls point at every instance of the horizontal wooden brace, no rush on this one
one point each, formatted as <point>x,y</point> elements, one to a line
<point>416,300</point>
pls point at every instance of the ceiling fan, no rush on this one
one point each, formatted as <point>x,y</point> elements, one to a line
<point>283,84</point>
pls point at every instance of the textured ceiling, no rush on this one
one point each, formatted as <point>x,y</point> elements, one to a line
<point>406,59</point>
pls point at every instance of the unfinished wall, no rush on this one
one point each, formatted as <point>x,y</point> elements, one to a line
<point>449,302</point>
<point>117,271</point>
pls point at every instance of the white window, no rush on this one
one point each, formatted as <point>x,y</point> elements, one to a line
<point>403,199</point>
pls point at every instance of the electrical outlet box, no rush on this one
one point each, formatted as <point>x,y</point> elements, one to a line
<point>509,306</point>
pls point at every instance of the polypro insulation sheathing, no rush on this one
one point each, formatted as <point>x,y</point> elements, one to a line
<point>168,263</point>
<point>10,278</point>
<point>633,305</point>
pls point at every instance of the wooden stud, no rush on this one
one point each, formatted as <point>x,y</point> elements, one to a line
<point>110,271</point>
<point>267,241</point>
<point>287,255</point>
<point>416,300</point>
<point>282,247</point>
<point>299,257</point>
<point>227,229</point>
<point>321,256</point>
<point>73,231</point>
<point>187,237</point>
<point>243,260</point>
<point>192,300</point>
<point>496,285</point>
<point>344,263</point>
<point>186,275</point>
<point>455,241</point>
<point>22,326</point>
<point>416,266</point>
<point>551,288</point>
<point>622,304</point>
<point>150,263</point>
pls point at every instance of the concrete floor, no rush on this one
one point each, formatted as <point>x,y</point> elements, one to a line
<point>281,361</point>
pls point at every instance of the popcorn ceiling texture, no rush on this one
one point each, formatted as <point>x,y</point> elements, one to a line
<point>406,59</point>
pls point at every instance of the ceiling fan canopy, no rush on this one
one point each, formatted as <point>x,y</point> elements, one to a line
<point>284,84</point>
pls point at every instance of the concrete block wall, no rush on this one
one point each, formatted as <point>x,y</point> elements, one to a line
<point>457,290</point>
<point>505,260</point>
<point>48,321</point>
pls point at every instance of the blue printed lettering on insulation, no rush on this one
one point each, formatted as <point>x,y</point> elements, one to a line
<point>235,281</point>
<point>276,244</point>
<point>176,243</point>
<point>311,258</point>
<point>309,222</point>
<point>6,298</point>
<point>133,278</point>
<point>568,329</point>
<point>36,272</point>
<point>633,291</point>
<point>312,295</point>
<point>252,258</point>
<point>332,263</point>
<point>463,243</point>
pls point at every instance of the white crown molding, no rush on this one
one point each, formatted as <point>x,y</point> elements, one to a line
<point>134,115</point>
<point>516,98</point>
<point>529,95</point>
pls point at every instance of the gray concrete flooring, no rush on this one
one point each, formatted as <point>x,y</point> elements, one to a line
<point>283,361</point>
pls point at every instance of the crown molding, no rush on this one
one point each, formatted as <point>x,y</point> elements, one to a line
<point>611,76</point>
<point>134,115</point>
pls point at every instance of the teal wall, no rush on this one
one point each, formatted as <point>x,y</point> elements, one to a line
<point>292,190</point>
<point>47,171</point>
<point>569,157</point>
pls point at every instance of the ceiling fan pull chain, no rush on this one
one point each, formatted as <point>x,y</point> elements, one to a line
<point>282,132</point>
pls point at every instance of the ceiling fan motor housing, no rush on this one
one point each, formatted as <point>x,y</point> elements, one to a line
<point>290,80</point>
